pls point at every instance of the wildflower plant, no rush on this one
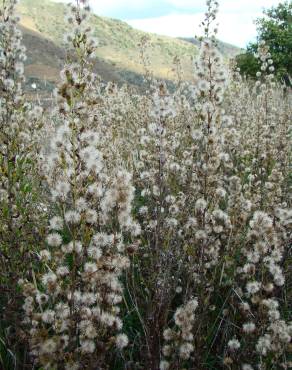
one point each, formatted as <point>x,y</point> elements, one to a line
<point>169,218</point>
<point>72,308</point>
<point>21,204</point>
<point>179,343</point>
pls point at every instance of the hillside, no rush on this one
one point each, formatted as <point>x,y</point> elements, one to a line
<point>226,49</point>
<point>118,56</point>
<point>45,59</point>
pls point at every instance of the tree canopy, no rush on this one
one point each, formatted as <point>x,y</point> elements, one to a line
<point>275,28</point>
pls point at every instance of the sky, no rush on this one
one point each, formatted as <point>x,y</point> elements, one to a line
<point>181,18</point>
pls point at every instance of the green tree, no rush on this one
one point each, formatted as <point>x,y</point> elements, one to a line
<point>275,28</point>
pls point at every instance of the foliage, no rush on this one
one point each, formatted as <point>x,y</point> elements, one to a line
<point>248,63</point>
<point>275,28</point>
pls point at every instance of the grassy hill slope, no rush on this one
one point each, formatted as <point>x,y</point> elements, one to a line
<point>118,57</point>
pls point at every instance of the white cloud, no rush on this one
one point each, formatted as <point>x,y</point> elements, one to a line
<point>246,6</point>
<point>175,25</point>
<point>233,28</point>
<point>182,17</point>
<point>105,6</point>
<point>229,6</point>
<point>187,3</point>
<point>236,21</point>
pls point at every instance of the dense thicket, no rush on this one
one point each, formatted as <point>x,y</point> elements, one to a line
<point>144,231</point>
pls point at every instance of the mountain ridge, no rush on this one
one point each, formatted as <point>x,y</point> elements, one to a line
<point>118,57</point>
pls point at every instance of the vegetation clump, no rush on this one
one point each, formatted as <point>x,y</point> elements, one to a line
<point>144,231</point>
